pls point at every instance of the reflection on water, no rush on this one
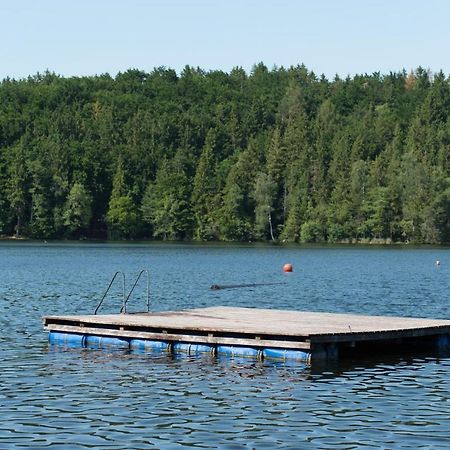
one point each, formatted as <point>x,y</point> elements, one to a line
<point>53,397</point>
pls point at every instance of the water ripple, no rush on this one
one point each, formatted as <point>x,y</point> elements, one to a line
<point>58,398</point>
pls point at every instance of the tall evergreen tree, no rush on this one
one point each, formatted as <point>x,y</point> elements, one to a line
<point>204,191</point>
<point>78,209</point>
<point>17,185</point>
<point>264,195</point>
<point>122,214</point>
<point>165,204</point>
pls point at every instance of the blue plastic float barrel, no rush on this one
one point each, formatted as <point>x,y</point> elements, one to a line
<point>193,349</point>
<point>443,341</point>
<point>277,354</point>
<point>280,354</point>
<point>106,341</point>
<point>150,346</point>
<point>237,351</point>
<point>66,339</point>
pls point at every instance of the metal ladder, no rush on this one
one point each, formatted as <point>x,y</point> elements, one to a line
<point>123,309</point>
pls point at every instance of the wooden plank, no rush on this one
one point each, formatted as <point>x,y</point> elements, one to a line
<point>179,337</point>
<point>378,335</point>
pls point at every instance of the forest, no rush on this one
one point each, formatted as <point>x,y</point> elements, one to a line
<point>277,154</point>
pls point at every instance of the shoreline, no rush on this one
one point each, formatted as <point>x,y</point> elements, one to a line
<point>342,243</point>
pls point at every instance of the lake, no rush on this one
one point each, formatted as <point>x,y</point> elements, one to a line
<point>58,398</point>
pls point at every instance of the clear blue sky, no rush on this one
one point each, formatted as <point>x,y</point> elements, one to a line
<point>86,37</point>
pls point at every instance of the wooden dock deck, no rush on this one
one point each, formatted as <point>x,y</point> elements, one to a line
<point>313,334</point>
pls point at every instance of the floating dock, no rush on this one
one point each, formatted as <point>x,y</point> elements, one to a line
<point>248,332</point>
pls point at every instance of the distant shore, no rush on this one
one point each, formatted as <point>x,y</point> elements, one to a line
<point>344,242</point>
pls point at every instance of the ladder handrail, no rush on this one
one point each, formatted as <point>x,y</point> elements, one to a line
<point>124,306</point>
<point>109,287</point>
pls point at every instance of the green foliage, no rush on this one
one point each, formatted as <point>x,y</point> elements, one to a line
<point>122,216</point>
<point>165,204</point>
<point>264,195</point>
<point>273,154</point>
<point>312,231</point>
<point>78,212</point>
<point>205,191</point>
<point>16,185</point>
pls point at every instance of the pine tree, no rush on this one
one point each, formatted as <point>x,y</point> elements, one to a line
<point>165,204</point>
<point>122,216</point>
<point>17,186</point>
<point>264,195</point>
<point>204,191</point>
<point>78,210</point>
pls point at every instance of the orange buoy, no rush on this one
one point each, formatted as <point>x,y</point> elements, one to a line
<point>287,268</point>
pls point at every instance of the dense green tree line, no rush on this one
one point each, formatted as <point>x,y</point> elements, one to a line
<point>277,154</point>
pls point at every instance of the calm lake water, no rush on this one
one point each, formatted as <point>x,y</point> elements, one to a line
<point>58,398</point>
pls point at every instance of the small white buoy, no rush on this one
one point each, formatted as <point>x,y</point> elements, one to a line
<point>438,263</point>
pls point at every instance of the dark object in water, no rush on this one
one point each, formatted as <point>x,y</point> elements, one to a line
<point>217,287</point>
